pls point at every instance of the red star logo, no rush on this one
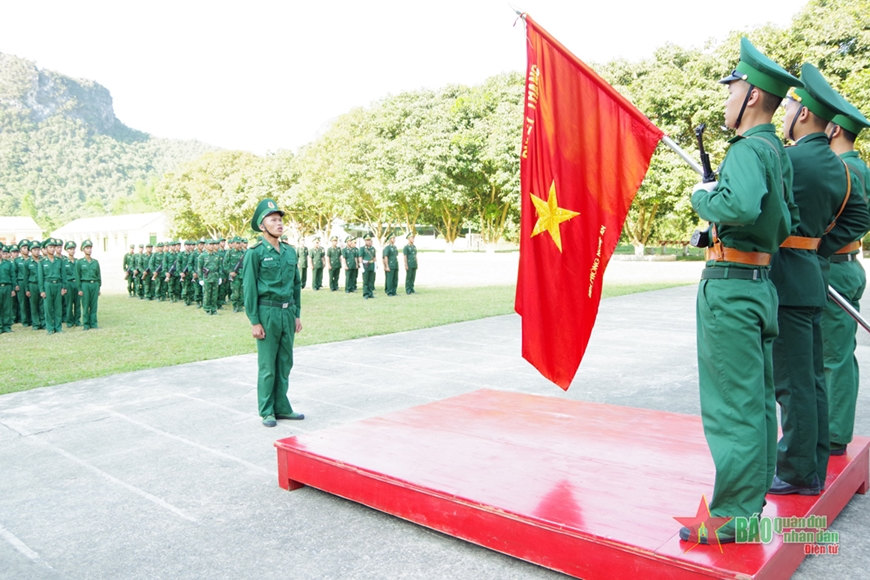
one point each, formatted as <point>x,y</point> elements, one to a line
<point>702,525</point>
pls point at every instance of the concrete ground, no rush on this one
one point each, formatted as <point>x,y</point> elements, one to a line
<point>167,473</point>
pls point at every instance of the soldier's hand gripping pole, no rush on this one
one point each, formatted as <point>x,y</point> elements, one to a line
<point>708,175</point>
<point>850,310</point>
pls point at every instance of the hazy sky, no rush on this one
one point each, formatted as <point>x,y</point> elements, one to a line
<point>265,75</point>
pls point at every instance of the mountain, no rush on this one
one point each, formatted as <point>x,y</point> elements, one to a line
<point>64,154</point>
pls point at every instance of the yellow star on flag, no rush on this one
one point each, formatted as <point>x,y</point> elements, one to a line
<point>550,215</point>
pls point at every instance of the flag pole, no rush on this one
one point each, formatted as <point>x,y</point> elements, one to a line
<point>679,151</point>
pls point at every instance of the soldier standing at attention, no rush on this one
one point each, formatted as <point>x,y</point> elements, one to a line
<point>7,289</point>
<point>209,272</point>
<point>828,210</point>
<point>273,291</point>
<point>317,254</point>
<point>21,281</point>
<point>391,266</point>
<point>14,257</point>
<point>368,258</point>
<point>147,257</point>
<point>74,301</point>
<point>349,259</point>
<point>333,254</point>
<point>848,278</point>
<point>409,252</point>
<point>237,259</point>
<point>37,307</point>
<point>750,210</point>
<point>89,280</point>
<point>302,255</point>
<point>51,287</point>
<point>137,270</point>
<point>129,259</point>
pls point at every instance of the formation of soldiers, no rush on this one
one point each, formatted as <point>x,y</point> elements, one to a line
<point>354,259</point>
<point>43,289</point>
<point>786,222</point>
<point>206,272</point>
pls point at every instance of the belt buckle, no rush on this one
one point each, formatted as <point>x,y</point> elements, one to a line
<point>285,305</point>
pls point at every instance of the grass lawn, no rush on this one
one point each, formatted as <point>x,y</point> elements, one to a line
<point>136,334</point>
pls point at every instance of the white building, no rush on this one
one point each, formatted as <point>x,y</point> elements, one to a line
<point>13,229</point>
<point>114,234</point>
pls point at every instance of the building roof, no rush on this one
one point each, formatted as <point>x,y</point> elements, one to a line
<point>111,223</point>
<point>18,223</point>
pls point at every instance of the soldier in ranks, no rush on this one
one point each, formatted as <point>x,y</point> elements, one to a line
<point>317,254</point>
<point>175,272</point>
<point>13,259</point>
<point>391,266</point>
<point>409,253</point>
<point>198,288</point>
<point>368,259</point>
<point>89,280</point>
<point>127,265</point>
<point>209,273</point>
<point>37,311</point>
<point>333,256</point>
<point>21,282</point>
<point>349,261</point>
<point>226,266</point>
<point>158,271</point>
<point>147,257</point>
<point>302,253</point>
<point>138,288</point>
<point>51,280</point>
<point>751,210</point>
<point>189,273</point>
<point>237,296</point>
<point>273,295</point>
<point>847,277</point>
<point>7,289</point>
<point>830,218</point>
<point>74,302</point>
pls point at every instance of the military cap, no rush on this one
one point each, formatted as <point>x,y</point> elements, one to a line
<point>35,244</point>
<point>816,94</point>
<point>72,244</point>
<point>264,208</point>
<point>347,239</point>
<point>24,244</point>
<point>316,238</point>
<point>48,243</point>
<point>159,244</point>
<point>222,240</point>
<point>149,245</point>
<point>367,237</point>
<point>759,71</point>
<point>850,118</point>
<point>88,244</point>
<point>141,245</point>
<point>333,239</point>
<point>389,237</point>
<point>13,248</point>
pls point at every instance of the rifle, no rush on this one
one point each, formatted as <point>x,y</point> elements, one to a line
<point>157,271</point>
<point>701,238</point>
<point>205,273</point>
<point>129,274</point>
<point>145,273</point>
<point>183,272</point>
<point>238,265</point>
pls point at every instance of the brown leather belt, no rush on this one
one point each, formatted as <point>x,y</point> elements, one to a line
<point>720,253</point>
<point>849,248</point>
<point>801,243</point>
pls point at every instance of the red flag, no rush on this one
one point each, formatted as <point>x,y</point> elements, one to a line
<point>586,150</point>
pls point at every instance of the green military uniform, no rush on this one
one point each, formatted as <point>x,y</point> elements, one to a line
<point>7,290</point>
<point>51,279</point>
<point>750,209</point>
<point>820,186</point>
<point>273,291</point>
<point>137,271</point>
<point>368,256</point>
<point>127,265</point>
<point>333,254</point>
<point>350,254</point>
<point>74,301</point>
<point>13,259</point>
<point>847,277</point>
<point>198,253</point>
<point>89,280</point>
<point>317,254</point>
<point>21,282</point>
<point>236,258</point>
<point>302,254</point>
<point>410,253</point>
<point>209,272</point>
<point>187,265</point>
<point>146,273</point>
<point>37,305</point>
<point>391,267</point>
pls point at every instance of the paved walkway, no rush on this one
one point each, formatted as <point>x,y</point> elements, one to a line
<point>168,473</point>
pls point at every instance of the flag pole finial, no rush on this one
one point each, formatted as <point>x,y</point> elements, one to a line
<point>518,12</point>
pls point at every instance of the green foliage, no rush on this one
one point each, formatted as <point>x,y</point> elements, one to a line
<point>64,154</point>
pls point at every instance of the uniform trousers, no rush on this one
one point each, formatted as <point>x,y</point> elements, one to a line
<point>6,307</point>
<point>24,305</point>
<point>317,278</point>
<point>90,294</point>
<point>37,307</point>
<point>368,279</point>
<point>275,359</point>
<point>350,278</point>
<point>53,307</point>
<point>391,281</point>
<point>303,274</point>
<point>838,339</point>
<point>73,306</point>
<point>799,374</point>
<point>410,277</point>
<point>334,273</point>
<point>736,327</point>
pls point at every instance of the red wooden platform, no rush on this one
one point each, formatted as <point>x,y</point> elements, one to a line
<point>590,490</point>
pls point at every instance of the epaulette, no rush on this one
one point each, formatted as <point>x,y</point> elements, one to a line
<point>257,243</point>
